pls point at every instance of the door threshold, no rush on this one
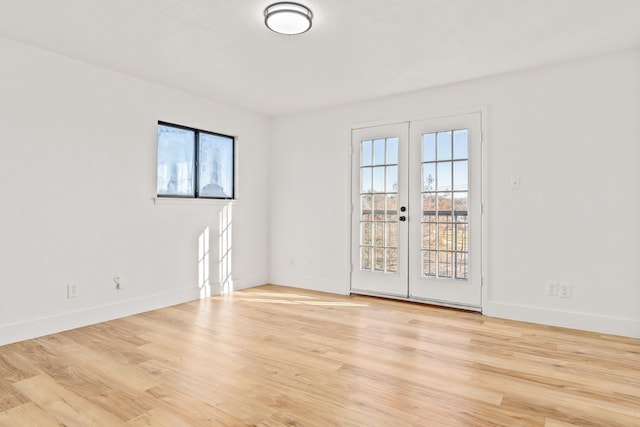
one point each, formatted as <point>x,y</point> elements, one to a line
<point>426,301</point>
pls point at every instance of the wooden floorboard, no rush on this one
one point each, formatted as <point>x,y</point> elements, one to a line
<point>277,356</point>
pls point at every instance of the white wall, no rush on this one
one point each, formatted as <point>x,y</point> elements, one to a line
<point>77,174</point>
<point>571,132</point>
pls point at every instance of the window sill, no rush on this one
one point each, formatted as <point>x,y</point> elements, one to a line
<point>190,201</point>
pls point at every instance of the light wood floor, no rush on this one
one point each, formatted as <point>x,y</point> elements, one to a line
<point>276,356</point>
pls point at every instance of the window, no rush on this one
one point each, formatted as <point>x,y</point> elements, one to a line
<point>379,202</point>
<point>445,197</point>
<point>194,163</point>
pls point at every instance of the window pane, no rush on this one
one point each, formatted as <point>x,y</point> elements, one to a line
<point>462,266</point>
<point>378,234</point>
<point>392,235</point>
<point>378,262</point>
<point>392,151</point>
<point>392,207</point>
<point>378,152</point>
<point>444,207</point>
<point>445,264</point>
<point>365,233</point>
<point>461,144</point>
<point>392,260</point>
<point>366,154</point>
<point>392,179</point>
<point>365,180</point>
<point>428,177</point>
<point>429,207</point>
<point>462,237</point>
<point>365,263</point>
<point>429,236</point>
<point>429,147</point>
<point>215,166</point>
<point>378,207</point>
<point>176,158</point>
<point>429,263</point>
<point>461,175</point>
<point>365,206</point>
<point>444,145</point>
<point>445,237</point>
<point>378,179</point>
<point>443,181</point>
<point>461,207</point>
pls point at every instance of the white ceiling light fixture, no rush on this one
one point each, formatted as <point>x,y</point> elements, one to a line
<point>288,18</point>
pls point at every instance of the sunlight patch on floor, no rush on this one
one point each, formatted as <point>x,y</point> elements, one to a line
<point>290,298</point>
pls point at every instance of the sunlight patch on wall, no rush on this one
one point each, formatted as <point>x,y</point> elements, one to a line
<point>225,251</point>
<point>203,264</point>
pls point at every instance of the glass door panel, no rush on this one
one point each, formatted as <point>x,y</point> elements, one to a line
<point>446,211</point>
<point>379,237</point>
<point>416,203</point>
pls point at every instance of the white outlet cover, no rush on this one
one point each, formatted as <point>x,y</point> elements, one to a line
<point>564,290</point>
<point>72,290</point>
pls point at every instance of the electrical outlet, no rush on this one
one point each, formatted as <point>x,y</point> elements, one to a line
<point>564,290</point>
<point>73,290</point>
<point>552,288</point>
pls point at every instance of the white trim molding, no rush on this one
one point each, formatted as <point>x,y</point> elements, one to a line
<point>566,319</point>
<point>39,327</point>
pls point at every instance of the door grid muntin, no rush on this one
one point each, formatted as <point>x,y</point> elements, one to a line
<point>445,204</point>
<point>379,205</point>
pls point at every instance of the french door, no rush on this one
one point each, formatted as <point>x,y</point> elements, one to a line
<point>379,254</point>
<point>416,210</point>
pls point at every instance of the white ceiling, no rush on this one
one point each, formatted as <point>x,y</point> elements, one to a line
<point>357,49</point>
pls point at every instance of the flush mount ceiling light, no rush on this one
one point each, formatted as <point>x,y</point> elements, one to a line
<point>288,18</point>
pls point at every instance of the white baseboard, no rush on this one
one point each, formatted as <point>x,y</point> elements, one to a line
<point>583,321</point>
<point>250,282</point>
<point>310,283</point>
<point>34,328</point>
<point>235,285</point>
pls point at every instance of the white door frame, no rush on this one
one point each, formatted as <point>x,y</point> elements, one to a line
<point>386,283</point>
<point>465,293</point>
<point>483,161</point>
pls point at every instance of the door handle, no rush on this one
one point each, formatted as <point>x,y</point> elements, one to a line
<point>403,218</point>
